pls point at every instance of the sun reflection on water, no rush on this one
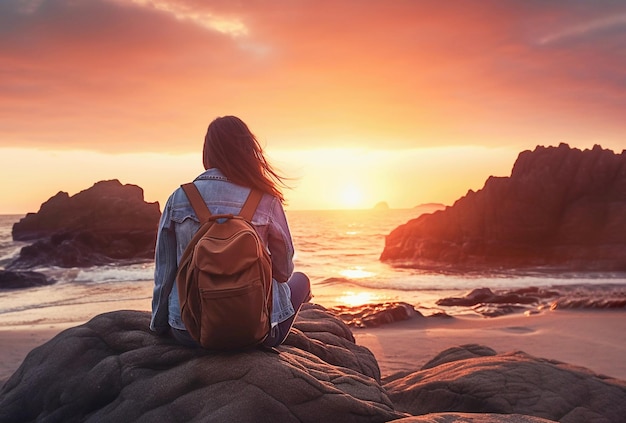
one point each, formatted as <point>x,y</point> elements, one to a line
<point>353,299</point>
<point>356,273</point>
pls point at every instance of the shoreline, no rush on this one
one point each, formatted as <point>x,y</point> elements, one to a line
<point>590,337</point>
<point>594,339</point>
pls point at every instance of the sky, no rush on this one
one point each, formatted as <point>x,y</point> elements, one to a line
<point>358,101</point>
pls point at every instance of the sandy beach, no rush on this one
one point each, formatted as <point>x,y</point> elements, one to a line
<point>23,330</point>
<point>592,339</point>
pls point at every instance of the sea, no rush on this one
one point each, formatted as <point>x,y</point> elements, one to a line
<point>338,249</point>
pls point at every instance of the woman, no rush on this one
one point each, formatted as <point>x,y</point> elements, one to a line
<point>235,164</point>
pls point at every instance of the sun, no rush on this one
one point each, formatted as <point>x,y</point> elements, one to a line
<point>351,196</point>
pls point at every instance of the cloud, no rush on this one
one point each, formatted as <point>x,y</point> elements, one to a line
<point>230,26</point>
<point>604,25</point>
<point>148,75</point>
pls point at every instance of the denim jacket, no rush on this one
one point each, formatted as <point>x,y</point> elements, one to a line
<point>178,225</point>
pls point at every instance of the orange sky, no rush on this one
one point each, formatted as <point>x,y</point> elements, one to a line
<point>362,100</point>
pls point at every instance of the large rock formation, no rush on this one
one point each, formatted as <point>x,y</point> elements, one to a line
<point>561,208</point>
<point>114,369</point>
<point>105,223</point>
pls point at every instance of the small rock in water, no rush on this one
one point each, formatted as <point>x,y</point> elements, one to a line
<point>372,315</point>
<point>24,279</point>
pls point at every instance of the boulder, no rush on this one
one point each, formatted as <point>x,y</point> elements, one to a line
<point>114,369</point>
<point>480,381</point>
<point>106,223</point>
<point>561,209</point>
<point>25,279</point>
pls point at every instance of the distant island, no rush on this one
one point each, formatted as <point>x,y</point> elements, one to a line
<point>427,208</point>
<point>433,206</point>
<point>382,205</point>
<point>424,208</point>
<point>561,209</point>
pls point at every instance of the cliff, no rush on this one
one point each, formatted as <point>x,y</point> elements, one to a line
<point>561,208</point>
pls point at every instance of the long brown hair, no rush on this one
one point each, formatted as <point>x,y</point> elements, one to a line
<point>232,148</point>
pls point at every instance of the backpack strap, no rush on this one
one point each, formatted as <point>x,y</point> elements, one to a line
<point>197,202</point>
<point>249,207</point>
<point>203,212</point>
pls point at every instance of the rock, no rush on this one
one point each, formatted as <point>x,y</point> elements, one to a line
<point>589,303</point>
<point>472,418</point>
<point>114,369</point>
<point>373,315</point>
<point>492,304</point>
<point>561,208</point>
<point>514,383</point>
<point>16,280</point>
<point>381,205</point>
<point>459,353</point>
<point>106,223</point>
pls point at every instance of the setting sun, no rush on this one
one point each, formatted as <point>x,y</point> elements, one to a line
<point>351,196</point>
<point>443,122</point>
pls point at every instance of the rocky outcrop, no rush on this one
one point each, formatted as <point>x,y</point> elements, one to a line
<point>561,208</point>
<point>16,280</point>
<point>105,223</point>
<point>481,381</point>
<point>531,300</point>
<point>114,369</point>
<point>488,303</point>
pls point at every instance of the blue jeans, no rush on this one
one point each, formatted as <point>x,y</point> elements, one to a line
<point>300,293</point>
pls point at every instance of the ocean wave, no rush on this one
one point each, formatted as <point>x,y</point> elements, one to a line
<point>376,283</point>
<point>137,272</point>
<point>416,282</point>
<point>332,281</point>
<point>99,274</point>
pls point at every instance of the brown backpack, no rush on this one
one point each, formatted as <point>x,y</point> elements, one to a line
<point>225,278</point>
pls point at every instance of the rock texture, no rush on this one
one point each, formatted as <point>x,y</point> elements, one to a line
<point>488,303</point>
<point>480,381</point>
<point>16,280</point>
<point>561,208</point>
<point>373,315</point>
<point>114,369</point>
<point>105,223</point>
<point>472,418</point>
